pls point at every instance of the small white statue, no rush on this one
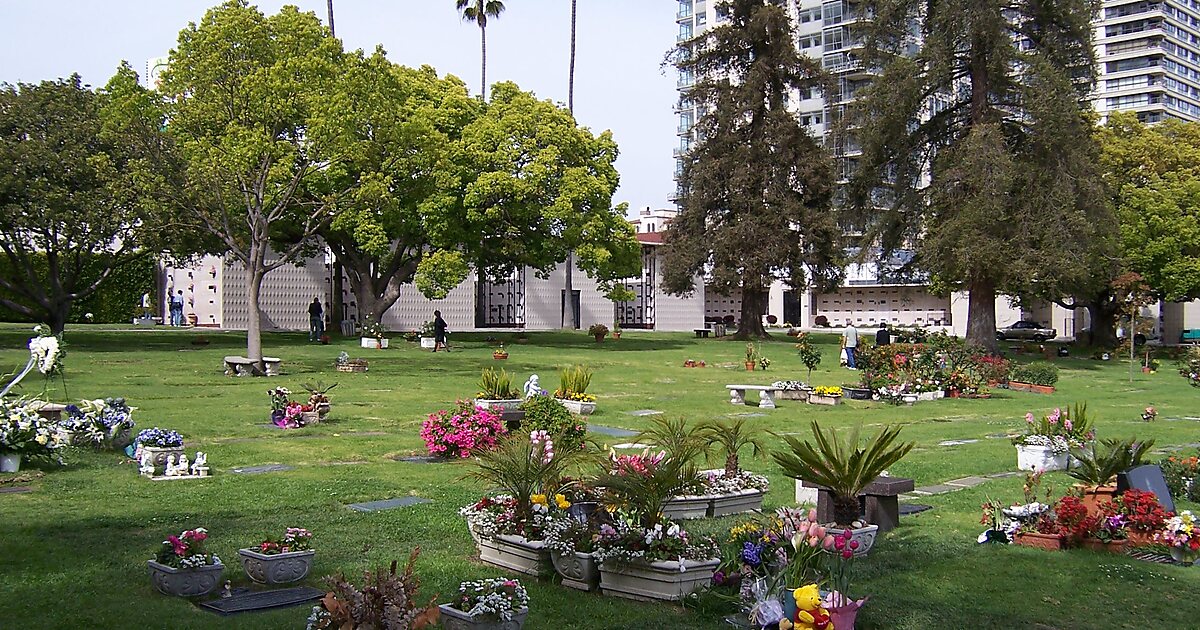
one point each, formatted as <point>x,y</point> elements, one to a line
<point>169,471</point>
<point>181,470</point>
<point>532,388</point>
<point>200,464</point>
<point>147,465</point>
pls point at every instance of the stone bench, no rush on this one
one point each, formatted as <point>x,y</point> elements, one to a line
<point>879,501</point>
<point>766,395</point>
<point>241,366</point>
<point>701,332</point>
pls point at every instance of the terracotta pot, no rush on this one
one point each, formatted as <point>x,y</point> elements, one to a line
<point>1048,542</point>
<point>1094,496</point>
<point>499,357</point>
<point>749,366</point>
<point>616,334</point>
<point>1095,544</point>
<point>599,338</point>
<point>1140,539</point>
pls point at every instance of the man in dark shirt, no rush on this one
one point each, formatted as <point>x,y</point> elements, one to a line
<point>316,320</point>
<point>439,332</point>
<point>883,337</point>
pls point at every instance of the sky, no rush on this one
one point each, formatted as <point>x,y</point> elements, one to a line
<point>619,82</point>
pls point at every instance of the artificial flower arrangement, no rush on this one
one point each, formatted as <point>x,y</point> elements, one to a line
<point>763,362</point>
<point>832,392</point>
<point>1149,414</point>
<point>24,432</point>
<point>460,432</point>
<point>628,540</point>
<point>294,539</point>
<point>46,350</point>
<point>494,598</point>
<point>790,386</point>
<point>1182,535</point>
<point>373,329</point>
<point>186,551</point>
<point>286,413</point>
<point>528,470</point>
<point>158,438</point>
<point>894,393</point>
<point>99,423</point>
<point>386,599</point>
<point>1059,430</point>
<point>718,482</point>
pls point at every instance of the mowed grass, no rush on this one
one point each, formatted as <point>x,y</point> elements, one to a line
<point>73,551</point>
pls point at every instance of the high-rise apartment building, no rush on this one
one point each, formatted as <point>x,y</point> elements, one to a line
<point>1148,54</point>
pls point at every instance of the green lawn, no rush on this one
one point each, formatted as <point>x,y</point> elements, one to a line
<point>73,551</point>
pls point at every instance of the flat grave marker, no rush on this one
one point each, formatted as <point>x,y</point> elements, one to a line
<point>387,504</point>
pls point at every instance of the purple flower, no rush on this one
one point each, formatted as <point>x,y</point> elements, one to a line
<point>751,553</point>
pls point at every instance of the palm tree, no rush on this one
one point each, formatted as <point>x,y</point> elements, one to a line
<point>478,11</point>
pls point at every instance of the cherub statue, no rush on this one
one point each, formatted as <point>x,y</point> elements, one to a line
<point>532,388</point>
<point>169,471</point>
<point>147,465</point>
<point>201,462</point>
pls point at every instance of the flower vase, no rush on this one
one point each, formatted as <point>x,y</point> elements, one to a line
<point>278,568</point>
<point>1183,556</point>
<point>10,462</point>
<point>185,582</point>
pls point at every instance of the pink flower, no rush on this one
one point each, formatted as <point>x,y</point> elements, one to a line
<point>1029,418</point>
<point>812,514</point>
<point>1067,424</point>
<point>854,544</point>
<point>828,542</point>
<point>847,554</point>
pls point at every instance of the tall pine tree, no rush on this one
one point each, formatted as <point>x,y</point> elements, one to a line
<point>978,125</point>
<point>756,189</point>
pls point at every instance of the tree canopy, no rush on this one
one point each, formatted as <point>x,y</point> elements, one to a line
<point>756,189</point>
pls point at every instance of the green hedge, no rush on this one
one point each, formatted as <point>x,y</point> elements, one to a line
<point>117,300</point>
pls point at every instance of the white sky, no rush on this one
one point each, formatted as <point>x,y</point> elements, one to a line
<point>619,84</point>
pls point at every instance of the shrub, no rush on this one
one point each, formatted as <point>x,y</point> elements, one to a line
<point>458,433</point>
<point>1189,366</point>
<point>1037,373</point>
<point>1179,471</point>
<point>598,330</point>
<point>992,369</point>
<point>496,384</point>
<point>386,600</point>
<point>546,414</point>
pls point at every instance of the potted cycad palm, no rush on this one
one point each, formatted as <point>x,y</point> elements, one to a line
<point>1097,470</point>
<point>732,489</point>
<point>843,468</point>
<point>683,444</point>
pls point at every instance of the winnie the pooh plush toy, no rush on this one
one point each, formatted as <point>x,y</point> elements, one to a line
<point>809,613</point>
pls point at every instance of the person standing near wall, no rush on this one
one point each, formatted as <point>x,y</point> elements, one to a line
<point>850,343</point>
<point>176,308</point>
<point>316,320</point>
<point>439,332</point>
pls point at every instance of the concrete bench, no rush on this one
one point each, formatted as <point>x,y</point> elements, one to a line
<point>700,332</point>
<point>241,366</point>
<point>879,501</point>
<point>766,395</point>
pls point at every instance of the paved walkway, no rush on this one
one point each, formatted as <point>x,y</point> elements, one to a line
<point>955,485</point>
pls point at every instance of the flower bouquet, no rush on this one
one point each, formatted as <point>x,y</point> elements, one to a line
<point>100,423</point>
<point>1181,534</point>
<point>280,560</point>
<point>496,600</point>
<point>24,433</point>
<point>288,414</point>
<point>1046,442</point>
<point>183,567</point>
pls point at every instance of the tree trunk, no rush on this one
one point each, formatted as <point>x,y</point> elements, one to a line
<point>981,314</point>
<point>569,289</point>
<point>1102,321</point>
<point>571,72</point>
<point>254,326</point>
<point>57,316</point>
<point>337,307</point>
<point>329,6</point>
<point>732,465</point>
<point>483,62</point>
<point>751,326</point>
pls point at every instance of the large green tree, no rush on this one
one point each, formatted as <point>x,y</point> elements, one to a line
<point>976,129</point>
<point>478,11</point>
<point>70,214</point>
<point>755,191</point>
<point>241,92</point>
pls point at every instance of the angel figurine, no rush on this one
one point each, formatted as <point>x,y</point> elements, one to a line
<point>147,465</point>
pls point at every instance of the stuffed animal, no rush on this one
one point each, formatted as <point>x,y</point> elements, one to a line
<point>809,613</point>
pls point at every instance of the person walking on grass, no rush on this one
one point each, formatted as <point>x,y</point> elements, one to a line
<point>316,320</point>
<point>439,332</point>
<point>850,343</point>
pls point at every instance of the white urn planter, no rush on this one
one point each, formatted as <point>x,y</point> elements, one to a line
<point>10,462</point>
<point>507,404</point>
<point>736,503</point>
<point>1033,458</point>
<point>665,580</point>
<point>185,582</point>
<point>816,399</point>
<point>515,553</point>
<point>864,535</point>
<point>455,619</point>
<point>578,406</point>
<point>276,568</point>
<point>578,570</point>
<point>791,394</point>
<point>373,342</point>
<point>687,506</point>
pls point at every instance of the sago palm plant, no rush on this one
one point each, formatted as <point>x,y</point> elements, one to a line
<point>731,436</point>
<point>681,441</point>
<point>841,465</point>
<point>1098,469</point>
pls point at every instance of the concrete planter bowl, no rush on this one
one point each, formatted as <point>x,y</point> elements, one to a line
<point>864,535</point>
<point>1032,457</point>
<point>455,619</point>
<point>515,553</point>
<point>184,582</point>
<point>578,407</point>
<point>665,580</point>
<point>578,570</point>
<point>161,453</point>
<point>687,507</point>
<point>277,568</point>
<point>736,503</point>
<point>492,403</point>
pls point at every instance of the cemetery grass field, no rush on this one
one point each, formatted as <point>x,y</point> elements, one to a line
<point>73,551</point>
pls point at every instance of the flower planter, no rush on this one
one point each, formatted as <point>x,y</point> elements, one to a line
<point>1181,556</point>
<point>455,619</point>
<point>578,406</point>
<point>687,507</point>
<point>1141,539</point>
<point>185,582</point>
<point>750,366</point>
<point>864,535</point>
<point>500,357</point>
<point>910,399</point>
<point>310,417</point>
<point>578,570</point>
<point>1034,458</point>
<point>515,553</point>
<point>278,568</point>
<point>374,342</point>
<point>667,580</point>
<point>161,453</point>
<point>428,343</point>
<point>1048,542</point>
<point>493,403</point>
<point>791,394</point>
<point>1030,387</point>
<point>857,393</point>
<point>1094,496</point>
<point>815,399</point>
<point>323,409</point>
<point>10,462</point>
<point>736,503</point>
<point>1095,544</point>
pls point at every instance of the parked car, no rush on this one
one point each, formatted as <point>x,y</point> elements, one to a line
<point>1032,331</point>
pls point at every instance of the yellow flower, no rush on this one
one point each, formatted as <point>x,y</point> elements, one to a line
<point>41,439</point>
<point>538,499</point>
<point>561,501</point>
